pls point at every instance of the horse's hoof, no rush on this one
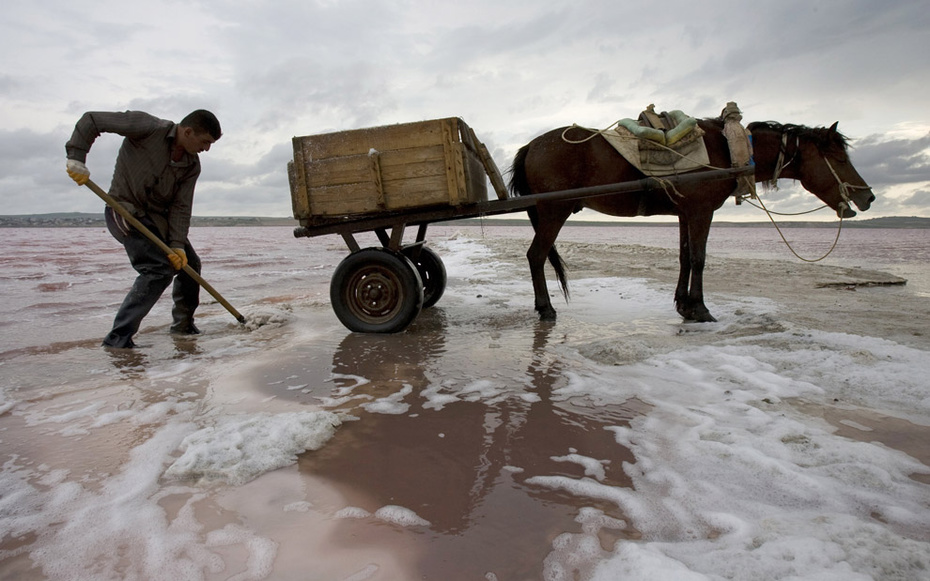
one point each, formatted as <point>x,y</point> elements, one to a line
<point>702,316</point>
<point>547,314</point>
<point>694,313</point>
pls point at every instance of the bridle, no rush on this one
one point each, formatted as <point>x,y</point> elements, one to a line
<point>844,186</point>
<point>781,164</point>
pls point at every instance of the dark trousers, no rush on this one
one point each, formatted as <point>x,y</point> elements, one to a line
<point>155,274</point>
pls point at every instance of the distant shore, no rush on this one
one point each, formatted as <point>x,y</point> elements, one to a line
<point>95,220</point>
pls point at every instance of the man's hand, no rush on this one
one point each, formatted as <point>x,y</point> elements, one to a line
<point>78,171</point>
<point>178,258</point>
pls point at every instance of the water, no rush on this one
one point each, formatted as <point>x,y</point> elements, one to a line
<point>481,443</point>
<point>40,266</point>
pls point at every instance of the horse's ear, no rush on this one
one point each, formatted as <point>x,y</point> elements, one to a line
<point>833,127</point>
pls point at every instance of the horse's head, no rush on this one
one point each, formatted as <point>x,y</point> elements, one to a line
<point>821,163</point>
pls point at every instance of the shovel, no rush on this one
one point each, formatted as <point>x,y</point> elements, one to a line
<point>164,247</point>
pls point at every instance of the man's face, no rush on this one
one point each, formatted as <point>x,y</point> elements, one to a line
<point>194,142</point>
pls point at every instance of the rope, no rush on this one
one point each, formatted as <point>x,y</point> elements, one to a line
<point>596,132</point>
<point>785,213</point>
<point>788,244</point>
<point>669,188</point>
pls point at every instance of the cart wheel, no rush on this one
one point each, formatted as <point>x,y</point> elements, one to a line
<point>376,291</point>
<point>432,273</point>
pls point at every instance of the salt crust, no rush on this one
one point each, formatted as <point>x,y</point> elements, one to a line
<point>239,448</point>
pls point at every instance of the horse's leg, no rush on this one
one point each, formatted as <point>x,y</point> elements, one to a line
<point>682,300</point>
<point>698,229</point>
<point>547,229</point>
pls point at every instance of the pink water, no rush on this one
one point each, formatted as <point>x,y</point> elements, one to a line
<point>64,284</point>
<point>618,437</point>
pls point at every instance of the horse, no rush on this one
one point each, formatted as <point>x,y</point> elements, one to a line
<point>567,158</point>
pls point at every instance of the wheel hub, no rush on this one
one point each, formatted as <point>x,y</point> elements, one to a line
<point>375,293</point>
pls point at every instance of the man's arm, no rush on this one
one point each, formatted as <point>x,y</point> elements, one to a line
<point>131,124</point>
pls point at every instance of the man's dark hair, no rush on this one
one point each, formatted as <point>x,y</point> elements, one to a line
<point>202,121</point>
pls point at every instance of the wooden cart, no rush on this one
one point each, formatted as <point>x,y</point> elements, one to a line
<point>385,179</point>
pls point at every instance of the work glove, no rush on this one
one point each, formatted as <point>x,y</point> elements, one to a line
<point>178,258</point>
<point>78,171</point>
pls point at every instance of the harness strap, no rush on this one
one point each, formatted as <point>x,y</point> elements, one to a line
<point>780,163</point>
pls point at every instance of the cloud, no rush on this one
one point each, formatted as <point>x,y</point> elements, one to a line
<point>919,201</point>
<point>893,161</point>
<point>512,70</point>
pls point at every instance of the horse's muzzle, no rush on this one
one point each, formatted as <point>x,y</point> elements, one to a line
<point>863,198</point>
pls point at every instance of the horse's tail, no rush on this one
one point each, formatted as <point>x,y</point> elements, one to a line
<point>558,265</point>
<point>519,186</point>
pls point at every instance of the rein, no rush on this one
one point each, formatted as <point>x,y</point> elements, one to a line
<point>844,188</point>
<point>785,240</point>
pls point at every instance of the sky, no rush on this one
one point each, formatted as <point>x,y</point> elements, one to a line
<point>512,69</point>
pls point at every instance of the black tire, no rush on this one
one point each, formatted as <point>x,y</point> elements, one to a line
<point>432,273</point>
<point>376,291</point>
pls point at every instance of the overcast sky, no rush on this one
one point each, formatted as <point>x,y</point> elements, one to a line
<point>511,68</point>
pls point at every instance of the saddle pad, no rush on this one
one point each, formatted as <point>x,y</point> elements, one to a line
<point>658,161</point>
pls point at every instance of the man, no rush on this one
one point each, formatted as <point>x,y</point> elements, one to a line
<point>156,170</point>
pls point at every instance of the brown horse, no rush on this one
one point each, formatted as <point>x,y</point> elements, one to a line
<point>816,157</point>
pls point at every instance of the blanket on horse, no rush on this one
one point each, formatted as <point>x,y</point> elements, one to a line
<point>672,142</point>
<point>660,145</point>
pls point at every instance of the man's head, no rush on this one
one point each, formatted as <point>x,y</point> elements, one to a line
<point>198,131</point>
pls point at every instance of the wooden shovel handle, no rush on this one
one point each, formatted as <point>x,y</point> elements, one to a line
<point>164,247</point>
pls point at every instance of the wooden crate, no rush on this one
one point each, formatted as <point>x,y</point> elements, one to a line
<point>389,168</point>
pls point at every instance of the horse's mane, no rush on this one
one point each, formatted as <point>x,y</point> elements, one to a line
<point>825,139</point>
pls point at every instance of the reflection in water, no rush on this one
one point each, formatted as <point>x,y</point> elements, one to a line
<point>462,463</point>
<point>388,362</point>
<point>185,346</point>
<point>130,362</point>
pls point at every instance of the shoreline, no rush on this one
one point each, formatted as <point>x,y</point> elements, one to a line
<point>94,220</point>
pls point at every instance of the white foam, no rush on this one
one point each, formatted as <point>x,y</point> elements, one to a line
<point>575,555</point>
<point>352,512</point>
<point>238,448</point>
<point>592,466</point>
<point>267,317</point>
<point>299,506</point>
<point>118,526</point>
<point>261,552</point>
<point>401,516</point>
<point>730,480</point>
<point>392,404</point>
<point>391,513</point>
